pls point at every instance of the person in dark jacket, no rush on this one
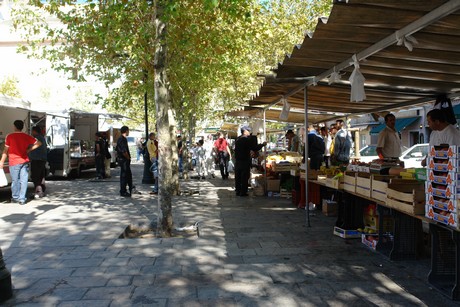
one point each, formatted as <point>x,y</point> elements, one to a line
<point>316,148</point>
<point>243,146</point>
<point>124,160</point>
<point>38,159</point>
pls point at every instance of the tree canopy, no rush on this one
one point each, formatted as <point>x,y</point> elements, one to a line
<point>216,48</point>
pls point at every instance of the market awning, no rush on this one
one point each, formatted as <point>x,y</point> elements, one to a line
<point>398,70</point>
<point>401,124</point>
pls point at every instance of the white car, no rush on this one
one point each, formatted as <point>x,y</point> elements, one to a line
<point>414,156</point>
<point>368,153</point>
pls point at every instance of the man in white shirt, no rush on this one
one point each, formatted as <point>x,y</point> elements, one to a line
<point>389,143</point>
<point>443,132</point>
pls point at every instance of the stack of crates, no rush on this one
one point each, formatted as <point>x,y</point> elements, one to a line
<point>443,185</point>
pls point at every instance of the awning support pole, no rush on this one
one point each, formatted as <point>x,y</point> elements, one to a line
<point>265,152</point>
<point>307,205</point>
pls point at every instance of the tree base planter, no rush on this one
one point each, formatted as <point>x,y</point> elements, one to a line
<point>133,232</point>
<point>6,288</point>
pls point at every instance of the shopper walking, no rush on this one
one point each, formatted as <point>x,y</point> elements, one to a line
<point>223,154</point>
<point>38,159</point>
<point>152,149</point>
<point>124,160</point>
<point>17,147</point>
<point>100,151</point>
<point>210,157</point>
<point>342,144</point>
<point>201,160</point>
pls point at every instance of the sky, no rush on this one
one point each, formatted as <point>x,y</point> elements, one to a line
<point>38,83</point>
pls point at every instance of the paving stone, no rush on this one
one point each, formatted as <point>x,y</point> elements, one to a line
<point>85,303</point>
<point>80,263</point>
<point>114,293</point>
<point>231,290</point>
<point>120,281</point>
<point>115,262</point>
<point>165,291</point>
<point>252,252</point>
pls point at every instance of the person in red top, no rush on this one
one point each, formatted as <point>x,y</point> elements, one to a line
<point>223,154</point>
<point>17,147</point>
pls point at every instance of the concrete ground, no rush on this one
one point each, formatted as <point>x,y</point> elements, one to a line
<point>64,250</point>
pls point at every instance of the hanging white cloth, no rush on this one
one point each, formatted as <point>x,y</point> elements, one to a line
<point>357,82</point>
<point>408,41</point>
<point>334,77</point>
<point>286,108</point>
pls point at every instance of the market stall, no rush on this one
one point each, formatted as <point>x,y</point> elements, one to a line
<point>372,56</point>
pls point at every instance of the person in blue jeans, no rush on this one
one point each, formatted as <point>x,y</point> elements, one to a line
<point>17,147</point>
<point>152,148</point>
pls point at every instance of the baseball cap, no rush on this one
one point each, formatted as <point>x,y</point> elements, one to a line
<point>247,128</point>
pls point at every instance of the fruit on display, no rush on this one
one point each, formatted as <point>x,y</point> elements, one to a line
<point>367,230</point>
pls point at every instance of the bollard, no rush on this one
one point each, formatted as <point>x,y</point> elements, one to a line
<point>6,290</point>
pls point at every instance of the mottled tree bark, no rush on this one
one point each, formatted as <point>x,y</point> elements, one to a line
<point>166,130</point>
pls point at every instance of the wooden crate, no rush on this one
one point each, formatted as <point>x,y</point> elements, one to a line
<point>285,193</point>
<point>363,184</point>
<point>379,186</point>
<point>336,183</point>
<point>349,181</point>
<point>284,167</point>
<point>406,197</point>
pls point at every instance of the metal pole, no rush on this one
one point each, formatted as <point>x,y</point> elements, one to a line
<point>146,110</point>
<point>265,151</point>
<point>147,176</point>
<point>307,207</point>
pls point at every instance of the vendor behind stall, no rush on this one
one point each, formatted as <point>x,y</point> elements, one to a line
<point>443,132</point>
<point>293,141</point>
<point>389,143</point>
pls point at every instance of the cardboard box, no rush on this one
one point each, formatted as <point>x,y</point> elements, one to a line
<point>442,165</point>
<point>346,234</point>
<point>444,191</point>
<point>370,240</point>
<point>451,219</point>
<point>330,207</point>
<point>444,151</point>
<point>452,178</point>
<point>445,204</point>
<point>273,185</point>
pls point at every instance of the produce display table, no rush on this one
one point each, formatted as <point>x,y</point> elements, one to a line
<point>407,239</point>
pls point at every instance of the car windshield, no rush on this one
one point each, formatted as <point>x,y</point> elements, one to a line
<point>416,152</point>
<point>368,151</point>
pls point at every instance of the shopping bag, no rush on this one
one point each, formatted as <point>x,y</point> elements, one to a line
<point>3,180</point>
<point>230,166</point>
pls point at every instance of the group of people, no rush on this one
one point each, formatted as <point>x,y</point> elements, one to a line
<point>207,153</point>
<point>22,149</point>
<point>328,146</point>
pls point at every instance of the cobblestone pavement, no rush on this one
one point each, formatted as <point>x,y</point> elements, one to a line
<point>64,250</point>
